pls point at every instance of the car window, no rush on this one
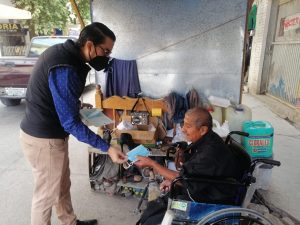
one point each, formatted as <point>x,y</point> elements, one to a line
<point>39,45</point>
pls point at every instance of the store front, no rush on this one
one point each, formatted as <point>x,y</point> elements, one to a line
<point>284,52</point>
<point>12,39</point>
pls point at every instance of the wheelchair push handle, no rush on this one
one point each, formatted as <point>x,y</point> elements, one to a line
<point>241,133</point>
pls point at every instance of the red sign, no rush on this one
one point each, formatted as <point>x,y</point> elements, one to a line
<point>291,22</point>
<point>259,142</point>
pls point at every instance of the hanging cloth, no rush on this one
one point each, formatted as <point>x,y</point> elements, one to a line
<point>193,99</point>
<point>252,18</point>
<point>122,78</point>
<point>176,107</point>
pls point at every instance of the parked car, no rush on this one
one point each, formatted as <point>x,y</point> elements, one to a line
<point>15,71</point>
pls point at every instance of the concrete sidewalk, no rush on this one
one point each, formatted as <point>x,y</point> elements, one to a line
<point>285,181</point>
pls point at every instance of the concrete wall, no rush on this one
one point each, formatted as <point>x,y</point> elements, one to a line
<point>179,44</point>
<point>269,47</point>
<point>259,45</point>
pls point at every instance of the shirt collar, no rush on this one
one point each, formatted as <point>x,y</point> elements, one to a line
<point>193,145</point>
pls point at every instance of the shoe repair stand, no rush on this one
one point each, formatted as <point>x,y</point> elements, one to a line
<point>143,185</point>
<point>110,106</point>
<point>93,152</point>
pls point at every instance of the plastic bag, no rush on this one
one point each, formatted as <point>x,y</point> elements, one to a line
<point>179,136</point>
<point>125,125</point>
<point>223,130</point>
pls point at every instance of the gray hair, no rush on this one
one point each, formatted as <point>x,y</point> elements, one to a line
<point>202,117</point>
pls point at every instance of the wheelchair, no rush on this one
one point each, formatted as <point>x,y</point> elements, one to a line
<point>185,212</point>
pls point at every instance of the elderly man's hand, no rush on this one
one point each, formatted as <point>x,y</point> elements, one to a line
<point>144,162</point>
<point>116,155</point>
<point>165,186</point>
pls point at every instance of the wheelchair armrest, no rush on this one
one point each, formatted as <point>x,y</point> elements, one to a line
<point>267,161</point>
<point>260,161</point>
<point>205,180</point>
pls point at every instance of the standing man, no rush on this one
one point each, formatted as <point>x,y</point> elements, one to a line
<point>52,113</point>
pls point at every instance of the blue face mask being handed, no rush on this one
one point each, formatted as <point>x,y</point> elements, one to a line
<point>99,62</point>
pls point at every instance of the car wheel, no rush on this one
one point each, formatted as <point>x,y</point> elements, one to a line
<point>10,101</point>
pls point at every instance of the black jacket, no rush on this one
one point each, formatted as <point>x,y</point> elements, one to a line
<point>210,157</point>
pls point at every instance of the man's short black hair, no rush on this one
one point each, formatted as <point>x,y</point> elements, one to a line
<point>96,33</point>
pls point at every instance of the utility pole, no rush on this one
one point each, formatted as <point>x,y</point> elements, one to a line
<point>75,8</point>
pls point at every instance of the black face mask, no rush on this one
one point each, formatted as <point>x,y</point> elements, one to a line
<point>99,62</point>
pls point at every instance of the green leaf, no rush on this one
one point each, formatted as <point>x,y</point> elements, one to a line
<point>51,14</point>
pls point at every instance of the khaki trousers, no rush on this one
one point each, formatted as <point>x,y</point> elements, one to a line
<point>49,160</point>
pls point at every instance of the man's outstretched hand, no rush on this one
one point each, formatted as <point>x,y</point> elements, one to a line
<point>116,155</point>
<point>144,162</point>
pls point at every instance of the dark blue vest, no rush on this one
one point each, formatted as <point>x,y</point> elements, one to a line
<point>41,119</point>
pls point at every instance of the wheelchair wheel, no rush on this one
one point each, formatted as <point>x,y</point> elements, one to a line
<point>234,216</point>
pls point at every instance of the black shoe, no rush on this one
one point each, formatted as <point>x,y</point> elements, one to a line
<point>86,222</point>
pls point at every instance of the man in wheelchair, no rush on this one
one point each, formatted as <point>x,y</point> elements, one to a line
<point>207,155</point>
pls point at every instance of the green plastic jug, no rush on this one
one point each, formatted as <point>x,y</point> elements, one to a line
<point>259,144</point>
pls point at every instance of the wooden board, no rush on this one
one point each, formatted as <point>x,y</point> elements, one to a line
<point>127,103</point>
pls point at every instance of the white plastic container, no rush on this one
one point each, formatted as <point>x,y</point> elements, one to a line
<point>236,116</point>
<point>216,113</point>
<point>222,102</point>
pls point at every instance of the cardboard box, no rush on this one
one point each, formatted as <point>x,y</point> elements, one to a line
<point>142,135</point>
